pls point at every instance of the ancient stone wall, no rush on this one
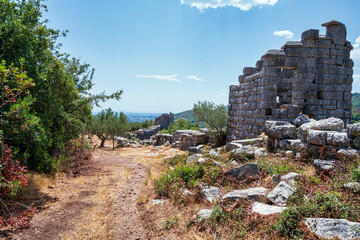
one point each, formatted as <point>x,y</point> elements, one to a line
<point>164,120</point>
<point>311,76</point>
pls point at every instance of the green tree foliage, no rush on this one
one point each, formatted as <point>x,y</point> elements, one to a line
<point>61,101</point>
<point>108,125</point>
<point>355,117</point>
<point>214,117</point>
<point>139,125</point>
<point>180,124</point>
<point>14,120</point>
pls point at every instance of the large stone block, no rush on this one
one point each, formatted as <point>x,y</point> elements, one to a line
<point>280,129</point>
<point>337,31</point>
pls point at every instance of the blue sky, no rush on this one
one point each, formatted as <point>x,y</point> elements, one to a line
<point>168,54</point>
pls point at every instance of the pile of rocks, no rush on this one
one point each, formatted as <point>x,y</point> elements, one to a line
<point>183,139</point>
<point>147,132</point>
<point>327,137</point>
<point>161,122</point>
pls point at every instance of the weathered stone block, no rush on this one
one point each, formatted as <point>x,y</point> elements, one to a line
<point>337,30</point>
<point>280,129</point>
<point>316,137</point>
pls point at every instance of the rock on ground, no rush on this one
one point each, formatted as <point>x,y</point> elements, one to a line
<point>211,193</point>
<point>213,153</point>
<point>352,186</point>
<point>331,228</point>
<point>347,154</point>
<point>193,158</point>
<point>232,145</point>
<point>203,214</point>
<point>257,194</point>
<point>290,176</point>
<point>248,169</point>
<point>280,194</point>
<point>245,151</point>
<point>265,209</point>
<point>260,152</point>
<point>324,165</point>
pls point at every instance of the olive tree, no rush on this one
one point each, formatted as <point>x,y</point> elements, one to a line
<point>214,117</point>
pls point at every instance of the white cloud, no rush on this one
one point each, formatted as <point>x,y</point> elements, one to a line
<point>284,33</point>
<point>355,53</point>
<point>170,78</point>
<point>244,5</point>
<point>195,78</point>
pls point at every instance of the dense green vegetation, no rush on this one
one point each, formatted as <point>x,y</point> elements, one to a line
<point>59,104</point>
<point>180,124</point>
<point>140,125</point>
<point>355,107</point>
<point>214,117</point>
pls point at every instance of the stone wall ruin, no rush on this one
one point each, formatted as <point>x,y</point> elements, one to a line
<point>312,76</point>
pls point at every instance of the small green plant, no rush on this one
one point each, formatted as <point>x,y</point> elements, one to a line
<point>278,167</point>
<point>177,160</point>
<point>170,222</point>
<point>355,174</point>
<point>183,176</point>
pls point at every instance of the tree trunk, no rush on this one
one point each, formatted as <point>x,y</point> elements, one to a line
<point>113,144</point>
<point>102,142</point>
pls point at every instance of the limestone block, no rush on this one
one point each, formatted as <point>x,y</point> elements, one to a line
<point>324,43</point>
<point>339,52</point>
<point>313,110</point>
<point>319,52</point>
<point>337,30</point>
<point>333,228</point>
<point>310,34</point>
<point>280,129</point>
<point>337,139</point>
<point>316,137</point>
<point>353,129</point>
<point>281,193</point>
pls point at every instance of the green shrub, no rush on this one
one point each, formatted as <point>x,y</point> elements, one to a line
<point>356,174</point>
<point>170,222</point>
<point>183,176</point>
<point>180,124</point>
<point>321,205</point>
<point>177,160</point>
<point>280,167</point>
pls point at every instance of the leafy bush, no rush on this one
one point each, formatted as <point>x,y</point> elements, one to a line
<point>183,176</point>
<point>277,166</point>
<point>180,124</point>
<point>356,174</point>
<point>12,174</point>
<point>321,205</point>
<point>177,160</point>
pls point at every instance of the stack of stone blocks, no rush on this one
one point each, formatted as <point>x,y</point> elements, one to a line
<point>327,139</point>
<point>312,76</point>
<point>183,139</point>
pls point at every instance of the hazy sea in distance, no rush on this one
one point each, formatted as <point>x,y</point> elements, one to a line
<point>138,117</point>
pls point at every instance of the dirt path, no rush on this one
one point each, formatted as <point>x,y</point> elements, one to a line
<point>103,202</point>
